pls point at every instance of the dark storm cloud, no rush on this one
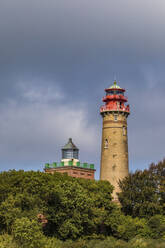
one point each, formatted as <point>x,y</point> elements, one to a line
<point>56,58</point>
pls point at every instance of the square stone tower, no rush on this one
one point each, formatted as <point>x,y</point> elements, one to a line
<point>114,149</point>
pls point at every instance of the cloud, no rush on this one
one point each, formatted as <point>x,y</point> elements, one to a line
<point>57,57</point>
<point>35,130</point>
<point>146,122</point>
<point>35,92</point>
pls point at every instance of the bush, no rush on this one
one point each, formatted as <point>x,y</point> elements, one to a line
<point>157,226</point>
<point>7,241</point>
<point>146,243</point>
<point>27,233</point>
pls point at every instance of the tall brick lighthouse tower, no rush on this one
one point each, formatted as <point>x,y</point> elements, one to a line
<point>114,150</point>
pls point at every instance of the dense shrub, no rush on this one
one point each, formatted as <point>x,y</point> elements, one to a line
<point>109,242</point>
<point>28,234</point>
<point>7,241</point>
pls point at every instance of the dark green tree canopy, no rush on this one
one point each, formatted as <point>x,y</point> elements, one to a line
<point>143,192</point>
<point>79,212</point>
<point>73,207</point>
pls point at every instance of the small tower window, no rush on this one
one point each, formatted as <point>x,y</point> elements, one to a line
<point>106,144</point>
<point>115,117</point>
<point>124,131</point>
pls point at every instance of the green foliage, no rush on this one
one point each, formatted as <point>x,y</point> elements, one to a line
<point>73,207</point>
<point>143,192</point>
<point>53,243</point>
<point>27,233</point>
<point>9,211</point>
<point>7,241</point>
<point>146,243</point>
<point>109,242</point>
<point>156,226</point>
<point>158,170</point>
<point>80,213</point>
<point>126,227</point>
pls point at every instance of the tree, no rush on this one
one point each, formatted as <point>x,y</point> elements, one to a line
<point>78,207</point>
<point>7,241</point>
<point>73,207</point>
<point>156,225</point>
<point>9,211</point>
<point>142,192</point>
<point>158,172</point>
<point>27,233</point>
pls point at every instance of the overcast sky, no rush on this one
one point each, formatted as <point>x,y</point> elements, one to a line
<point>56,59</point>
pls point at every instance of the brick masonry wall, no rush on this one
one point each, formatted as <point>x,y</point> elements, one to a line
<point>73,172</point>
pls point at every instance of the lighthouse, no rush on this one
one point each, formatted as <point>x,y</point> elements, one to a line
<point>70,163</point>
<point>114,149</point>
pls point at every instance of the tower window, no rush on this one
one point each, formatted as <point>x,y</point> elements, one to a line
<point>106,144</point>
<point>124,131</point>
<point>115,117</point>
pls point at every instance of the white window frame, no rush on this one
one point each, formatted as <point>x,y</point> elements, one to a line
<point>115,117</point>
<point>124,131</point>
<point>106,144</point>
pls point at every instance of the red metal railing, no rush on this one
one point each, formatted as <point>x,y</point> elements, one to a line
<point>115,108</point>
<point>115,97</point>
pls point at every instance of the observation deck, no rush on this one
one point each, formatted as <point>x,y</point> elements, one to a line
<point>106,108</point>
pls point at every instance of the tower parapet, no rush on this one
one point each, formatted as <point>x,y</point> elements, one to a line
<point>114,150</point>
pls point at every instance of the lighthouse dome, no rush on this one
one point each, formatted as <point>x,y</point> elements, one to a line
<point>70,151</point>
<point>115,86</point>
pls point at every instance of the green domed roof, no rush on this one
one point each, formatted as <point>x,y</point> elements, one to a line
<point>70,145</point>
<point>115,86</point>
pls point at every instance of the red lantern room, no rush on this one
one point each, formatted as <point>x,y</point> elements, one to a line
<point>115,100</point>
